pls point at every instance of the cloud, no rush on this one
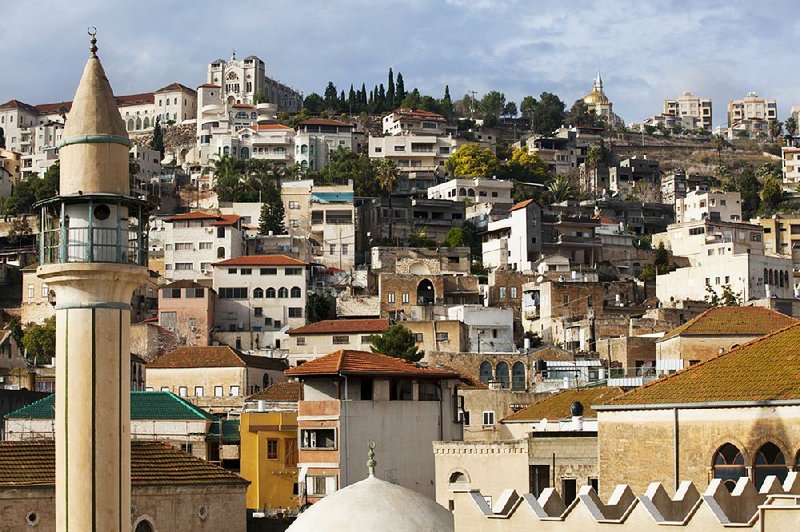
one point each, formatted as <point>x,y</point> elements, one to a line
<point>647,51</point>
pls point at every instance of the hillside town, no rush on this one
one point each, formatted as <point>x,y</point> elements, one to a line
<point>379,309</point>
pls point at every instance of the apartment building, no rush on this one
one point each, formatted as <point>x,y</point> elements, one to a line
<point>677,184</point>
<point>694,107</point>
<point>317,139</point>
<point>751,107</point>
<point>414,122</point>
<point>782,236</point>
<point>485,199</point>
<point>790,164</point>
<point>325,216</point>
<point>515,242</point>
<point>419,157</point>
<point>348,396</point>
<point>258,297</point>
<point>187,309</point>
<point>194,241</point>
<point>320,338</point>
<point>623,177</point>
<point>713,205</point>
<point>393,221</point>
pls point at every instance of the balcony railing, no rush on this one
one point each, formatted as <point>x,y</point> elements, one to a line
<point>98,245</point>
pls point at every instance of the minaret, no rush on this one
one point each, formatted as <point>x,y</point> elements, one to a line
<point>93,254</point>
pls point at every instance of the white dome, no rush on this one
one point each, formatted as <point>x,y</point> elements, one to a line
<point>374,505</point>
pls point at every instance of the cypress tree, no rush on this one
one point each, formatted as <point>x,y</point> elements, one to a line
<point>390,101</point>
<point>401,90</point>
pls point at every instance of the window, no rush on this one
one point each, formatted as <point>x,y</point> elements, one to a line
<point>518,376</point>
<point>233,293</point>
<point>272,449</point>
<point>318,438</point>
<point>183,266</point>
<point>502,374</point>
<point>198,391</point>
<point>293,271</point>
<point>258,312</point>
<point>31,292</point>
<point>232,271</point>
<point>165,388</point>
<point>294,223</point>
<point>183,246</point>
<point>728,464</point>
<point>270,293</point>
<point>296,292</point>
<point>44,290</point>
<point>442,337</point>
<point>183,391</point>
<point>193,293</point>
<point>301,340</point>
<point>332,249</point>
<point>485,372</point>
<point>539,478</point>
<point>769,461</point>
<point>513,292</point>
<point>565,299</point>
<point>401,390</point>
<point>488,417</point>
<point>339,340</point>
<point>234,391</point>
<point>246,271</point>
<point>295,312</point>
<point>389,297</point>
<point>569,490</point>
<point>218,391</point>
<point>428,391</point>
<point>418,337</point>
<point>502,292</point>
<point>269,271</point>
<point>220,232</point>
<point>320,486</point>
<point>283,292</point>
<point>405,298</point>
<point>294,204</point>
<point>258,293</point>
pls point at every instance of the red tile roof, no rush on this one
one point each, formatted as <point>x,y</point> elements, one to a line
<point>732,321</point>
<point>324,122</point>
<point>134,99</point>
<point>281,392</point>
<point>557,406</point>
<point>261,260</point>
<point>341,326</point>
<point>243,106</point>
<point>764,369</point>
<point>346,362</point>
<point>220,219</point>
<point>176,87</point>
<point>51,108</point>
<point>152,463</point>
<point>227,219</point>
<point>268,127</point>
<point>208,86</point>
<point>220,356</point>
<point>522,204</point>
<point>16,104</point>
<point>419,113</point>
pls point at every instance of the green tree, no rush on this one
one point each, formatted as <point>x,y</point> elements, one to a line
<point>400,88</point>
<point>446,103</point>
<point>775,129</point>
<point>390,100</point>
<point>331,97</point>
<point>2,138</point>
<point>728,298</point>
<point>548,114</point>
<point>510,110</point>
<point>258,97</point>
<point>525,166</point>
<point>413,100</point>
<point>527,107</point>
<point>396,341</point>
<point>39,342</point>
<point>465,236</point>
<point>580,115</point>
<point>470,160</point>
<point>314,103</point>
<point>790,125</point>
<point>771,192</point>
<point>387,175</point>
<point>420,239</point>
<point>661,260</point>
<point>344,165</point>
<point>647,273</point>
<point>491,107</point>
<point>320,307</point>
<point>272,211</point>
<point>20,228</point>
<point>157,143</point>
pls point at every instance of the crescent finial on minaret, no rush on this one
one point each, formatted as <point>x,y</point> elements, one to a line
<point>92,31</point>
<point>371,463</point>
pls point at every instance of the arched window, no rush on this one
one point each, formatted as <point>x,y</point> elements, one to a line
<point>138,123</point>
<point>462,191</point>
<point>130,124</point>
<point>146,123</point>
<point>728,464</point>
<point>766,277</point>
<point>485,372</point>
<point>266,381</point>
<point>226,150</point>
<point>501,371</point>
<point>518,376</point>
<point>258,293</point>
<point>221,252</point>
<point>426,295</point>
<point>471,193</point>
<point>458,478</point>
<point>304,149</point>
<point>296,292</point>
<point>283,292</point>
<point>144,526</point>
<point>769,461</point>
<point>245,153</point>
<point>780,279</point>
<point>253,116</point>
<point>271,293</point>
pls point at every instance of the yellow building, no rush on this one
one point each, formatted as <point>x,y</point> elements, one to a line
<point>269,449</point>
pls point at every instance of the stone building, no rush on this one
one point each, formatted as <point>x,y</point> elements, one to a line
<point>420,261</point>
<point>424,296</point>
<point>194,241</point>
<point>378,223</point>
<point>322,337</point>
<point>186,308</point>
<point>713,332</point>
<point>171,490</point>
<point>689,105</point>
<point>504,290</point>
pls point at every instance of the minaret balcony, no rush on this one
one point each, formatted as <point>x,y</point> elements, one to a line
<point>94,228</point>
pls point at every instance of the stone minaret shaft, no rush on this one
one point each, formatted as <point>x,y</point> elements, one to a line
<point>91,257</point>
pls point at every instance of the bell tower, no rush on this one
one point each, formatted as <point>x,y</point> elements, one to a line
<point>93,255</point>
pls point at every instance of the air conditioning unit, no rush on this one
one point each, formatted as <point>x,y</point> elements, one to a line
<point>203,271</point>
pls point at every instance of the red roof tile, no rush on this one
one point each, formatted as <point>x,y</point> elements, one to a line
<point>269,127</point>
<point>281,392</point>
<point>220,356</point>
<point>196,215</point>
<point>764,369</point>
<point>16,104</point>
<point>418,113</point>
<point>175,87</point>
<point>51,108</point>
<point>208,86</point>
<point>134,99</point>
<point>261,260</point>
<point>227,219</point>
<point>732,321</point>
<point>521,205</point>
<point>346,362</point>
<point>243,106</point>
<point>341,326</point>
<point>557,406</point>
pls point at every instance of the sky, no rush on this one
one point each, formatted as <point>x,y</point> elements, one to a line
<point>646,51</point>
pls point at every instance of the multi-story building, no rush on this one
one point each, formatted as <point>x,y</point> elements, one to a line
<point>415,122</point>
<point>420,158</point>
<point>790,164</point>
<point>420,261</point>
<point>571,236</point>
<point>348,396</point>
<point>394,220</point>
<point>677,184</point>
<point>694,107</point>
<point>514,242</point>
<point>10,163</point>
<point>317,139</point>
<point>325,215</point>
<point>623,177</point>
<point>216,378</point>
<point>258,296</point>
<point>187,309</point>
<point>782,236</point>
<point>320,338</point>
<point>485,199</point>
<point>751,107</point>
<point>713,205</point>
<point>193,242</point>
<point>245,82</point>
<point>488,330</point>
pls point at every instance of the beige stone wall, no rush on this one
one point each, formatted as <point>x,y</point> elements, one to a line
<point>456,336</point>
<point>480,463</point>
<point>573,457</point>
<point>697,347</point>
<point>627,350</point>
<point>35,305</point>
<point>317,345</point>
<point>625,458</point>
<point>476,402</point>
<point>399,284</point>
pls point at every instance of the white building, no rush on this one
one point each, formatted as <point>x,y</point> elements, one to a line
<point>473,191</point>
<point>687,105</point>
<point>193,242</point>
<point>260,294</point>
<point>489,329</point>
<point>790,163</point>
<point>414,122</point>
<point>751,107</point>
<point>709,205</point>
<point>326,216</point>
<point>246,81</point>
<point>516,241</point>
<point>317,139</point>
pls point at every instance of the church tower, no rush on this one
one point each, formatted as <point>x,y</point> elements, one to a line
<point>93,255</point>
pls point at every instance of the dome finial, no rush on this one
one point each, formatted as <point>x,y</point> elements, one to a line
<point>371,463</point>
<point>92,31</point>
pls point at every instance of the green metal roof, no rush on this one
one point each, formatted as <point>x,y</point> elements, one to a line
<point>144,406</point>
<point>230,431</point>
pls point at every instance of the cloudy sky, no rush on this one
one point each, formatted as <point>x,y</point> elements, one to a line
<point>646,50</point>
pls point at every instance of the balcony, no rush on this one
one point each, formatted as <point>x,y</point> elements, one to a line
<point>578,240</point>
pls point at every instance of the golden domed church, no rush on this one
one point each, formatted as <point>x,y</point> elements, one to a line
<point>597,101</point>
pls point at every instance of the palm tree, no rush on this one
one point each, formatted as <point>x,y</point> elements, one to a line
<point>790,125</point>
<point>387,175</point>
<point>559,189</point>
<point>775,128</point>
<point>593,156</point>
<point>227,176</point>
